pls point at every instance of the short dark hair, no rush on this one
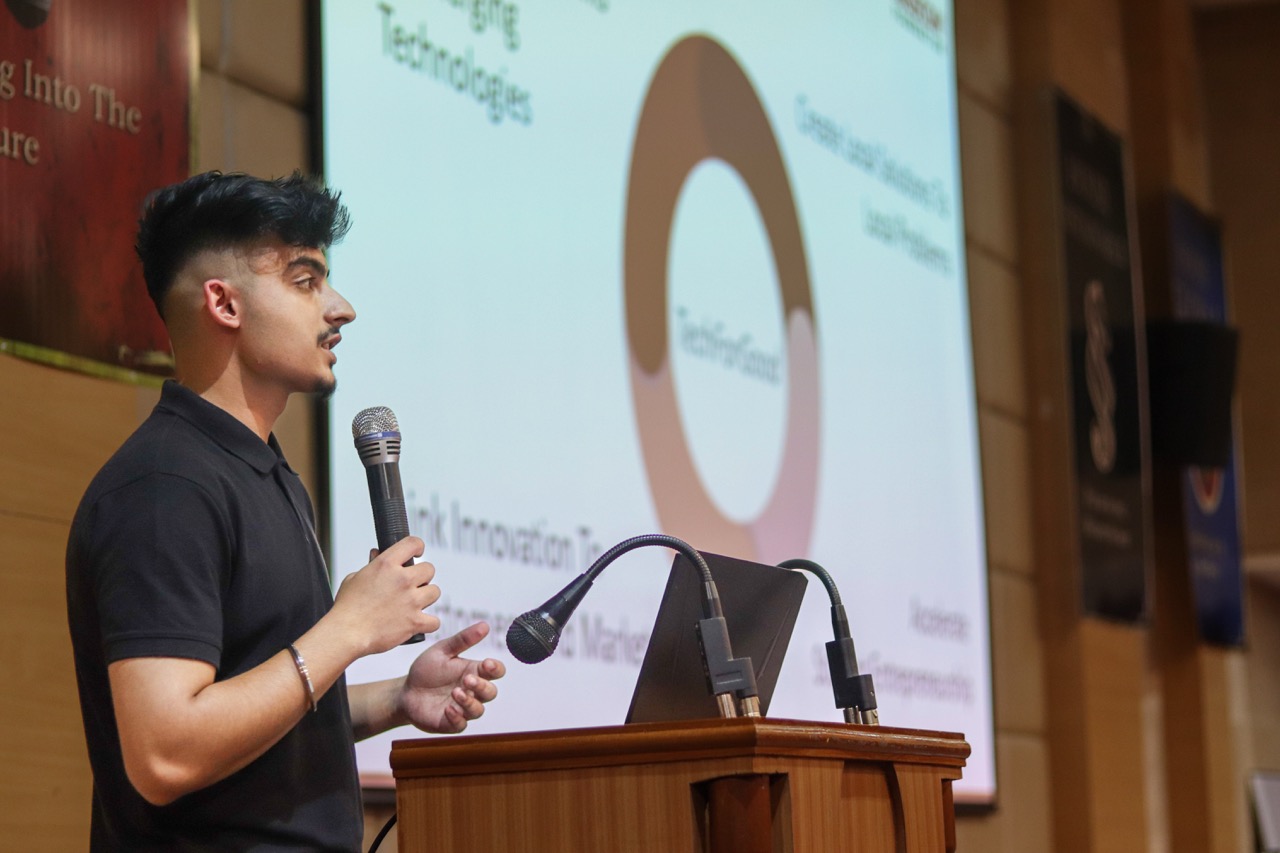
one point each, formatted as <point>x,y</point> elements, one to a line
<point>218,211</point>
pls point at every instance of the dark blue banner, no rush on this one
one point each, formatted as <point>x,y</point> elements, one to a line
<point>1208,493</point>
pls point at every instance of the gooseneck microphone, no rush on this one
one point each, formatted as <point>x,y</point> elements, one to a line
<point>534,635</point>
<point>854,694</point>
<point>377,435</point>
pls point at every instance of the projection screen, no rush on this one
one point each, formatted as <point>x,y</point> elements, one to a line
<point>697,268</point>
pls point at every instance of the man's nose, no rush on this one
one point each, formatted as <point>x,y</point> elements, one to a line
<point>340,311</point>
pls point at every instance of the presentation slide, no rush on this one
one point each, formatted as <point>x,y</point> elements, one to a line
<point>693,268</point>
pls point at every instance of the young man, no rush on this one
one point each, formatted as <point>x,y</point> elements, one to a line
<point>208,648</point>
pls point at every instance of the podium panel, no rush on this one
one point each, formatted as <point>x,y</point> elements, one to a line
<point>748,785</point>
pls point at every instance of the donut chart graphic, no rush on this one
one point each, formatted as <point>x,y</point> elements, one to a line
<point>700,105</point>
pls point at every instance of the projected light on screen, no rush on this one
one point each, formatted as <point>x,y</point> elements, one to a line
<point>692,268</point>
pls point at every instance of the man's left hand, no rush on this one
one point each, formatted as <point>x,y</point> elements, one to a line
<point>443,691</point>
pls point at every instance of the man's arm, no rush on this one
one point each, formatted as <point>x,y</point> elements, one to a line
<point>440,693</point>
<point>181,731</point>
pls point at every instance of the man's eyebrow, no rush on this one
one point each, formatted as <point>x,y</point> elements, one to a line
<point>315,266</point>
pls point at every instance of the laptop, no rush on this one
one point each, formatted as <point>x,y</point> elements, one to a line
<point>760,605</point>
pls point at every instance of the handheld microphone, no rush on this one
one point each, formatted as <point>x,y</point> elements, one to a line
<point>377,436</point>
<point>854,694</point>
<point>534,634</point>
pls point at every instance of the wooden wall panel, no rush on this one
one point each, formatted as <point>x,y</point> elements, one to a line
<point>1241,65</point>
<point>57,429</point>
<point>984,60</point>
<point>45,784</point>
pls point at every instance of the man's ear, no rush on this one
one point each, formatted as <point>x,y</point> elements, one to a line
<point>222,302</point>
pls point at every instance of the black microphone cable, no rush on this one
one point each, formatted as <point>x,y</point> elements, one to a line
<point>855,694</point>
<point>386,827</point>
<point>534,635</point>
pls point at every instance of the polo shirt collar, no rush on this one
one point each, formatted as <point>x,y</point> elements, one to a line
<point>221,426</point>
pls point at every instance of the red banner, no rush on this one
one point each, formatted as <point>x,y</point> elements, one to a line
<point>95,99</point>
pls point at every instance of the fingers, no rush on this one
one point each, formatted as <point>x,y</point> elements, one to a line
<point>403,551</point>
<point>478,688</point>
<point>425,595</point>
<point>428,624</point>
<point>413,588</point>
<point>384,602</point>
<point>418,575</point>
<point>457,723</point>
<point>466,704</point>
<point>470,697</point>
<point>463,640</point>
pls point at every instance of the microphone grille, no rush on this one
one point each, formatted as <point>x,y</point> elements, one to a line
<point>374,420</point>
<point>531,638</point>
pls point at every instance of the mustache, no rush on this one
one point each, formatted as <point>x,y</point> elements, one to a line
<point>329,333</point>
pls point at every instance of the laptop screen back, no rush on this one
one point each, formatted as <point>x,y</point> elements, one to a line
<point>760,607</point>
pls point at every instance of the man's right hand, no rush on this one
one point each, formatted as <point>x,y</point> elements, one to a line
<point>180,730</point>
<point>382,604</point>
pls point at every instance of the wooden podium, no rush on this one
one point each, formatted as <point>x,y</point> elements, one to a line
<point>745,785</point>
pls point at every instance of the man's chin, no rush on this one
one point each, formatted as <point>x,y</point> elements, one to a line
<point>324,388</point>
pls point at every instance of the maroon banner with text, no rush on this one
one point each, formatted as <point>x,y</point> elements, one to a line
<point>95,101</point>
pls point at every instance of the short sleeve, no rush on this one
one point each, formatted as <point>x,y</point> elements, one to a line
<point>161,552</point>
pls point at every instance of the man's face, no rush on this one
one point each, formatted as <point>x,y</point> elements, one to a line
<point>291,319</point>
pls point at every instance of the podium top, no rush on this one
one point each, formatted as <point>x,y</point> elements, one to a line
<point>679,741</point>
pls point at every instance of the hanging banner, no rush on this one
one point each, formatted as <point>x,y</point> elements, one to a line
<point>1103,309</point>
<point>1209,497</point>
<point>95,100</point>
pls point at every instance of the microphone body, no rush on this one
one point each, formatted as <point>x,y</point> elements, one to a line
<point>386,498</point>
<point>534,634</point>
<point>377,437</point>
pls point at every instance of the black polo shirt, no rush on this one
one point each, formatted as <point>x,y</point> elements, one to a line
<point>195,541</point>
